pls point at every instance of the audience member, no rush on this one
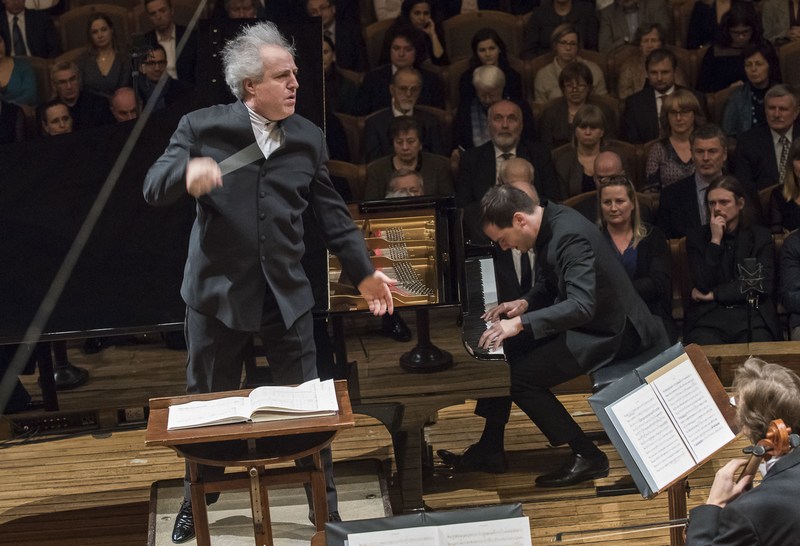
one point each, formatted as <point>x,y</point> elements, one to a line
<point>566,43</point>
<point>123,104</point>
<point>340,91</point>
<point>405,183</point>
<point>418,14</point>
<point>576,83</point>
<point>745,106</point>
<point>374,92</point>
<point>408,154</point>
<point>17,79</point>
<point>152,68</point>
<point>619,21</point>
<point>704,22</point>
<point>488,48</point>
<point>514,273</point>
<point>104,68</point>
<point>607,163</point>
<point>241,9</point>
<point>640,247</point>
<point>386,9</point>
<point>404,90</point>
<point>632,72</point>
<point>789,276</point>
<point>784,208</point>
<point>721,65</point>
<point>724,308</point>
<point>87,109</point>
<point>28,32</point>
<point>345,36</point>
<point>641,121</point>
<point>736,512</point>
<point>168,34</point>
<point>781,20</point>
<point>54,118</point>
<point>762,152</point>
<point>549,15</point>
<point>670,158</point>
<point>681,206</point>
<point>479,167</point>
<point>575,164</point>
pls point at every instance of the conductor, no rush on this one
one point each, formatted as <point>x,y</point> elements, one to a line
<point>254,167</point>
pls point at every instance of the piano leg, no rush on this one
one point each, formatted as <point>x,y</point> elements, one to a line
<point>425,357</point>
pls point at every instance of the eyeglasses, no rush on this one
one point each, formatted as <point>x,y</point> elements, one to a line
<point>681,112</point>
<point>155,63</point>
<point>566,43</point>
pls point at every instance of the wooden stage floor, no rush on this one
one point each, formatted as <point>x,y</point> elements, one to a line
<point>93,488</point>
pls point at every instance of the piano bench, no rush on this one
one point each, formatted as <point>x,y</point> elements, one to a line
<point>603,377</point>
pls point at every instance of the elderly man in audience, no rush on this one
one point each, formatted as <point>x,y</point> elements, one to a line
<point>28,32</point>
<point>168,34</point>
<point>408,154</point>
<point>404,90</point>
<point>619,21</point>
<point>641,120</point>
<point>123,104</point>
<point>762,153</point>
<point>405,183</point>
<point>479,167</point>
<point>682,205</point>
<point>87,109</point>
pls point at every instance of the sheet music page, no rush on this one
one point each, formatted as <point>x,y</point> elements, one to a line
<point>311,396</point>
<point>651,437</point>
<point>498,532</point>
<point>696,415</point>
<point>201,413</point>
<point>418,536</point>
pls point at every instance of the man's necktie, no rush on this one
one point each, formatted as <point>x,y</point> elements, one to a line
<point>784,142</point>
<point>19,42</point>
<point>526,275</point>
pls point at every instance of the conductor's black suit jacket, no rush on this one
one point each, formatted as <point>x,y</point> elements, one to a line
<point>249,233</point>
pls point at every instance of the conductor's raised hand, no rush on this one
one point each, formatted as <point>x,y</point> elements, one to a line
<point>202,176</point>
<point>510,309</point>
<point>375,289</point>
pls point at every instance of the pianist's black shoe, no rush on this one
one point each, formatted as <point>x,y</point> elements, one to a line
<point>395,327</point>
<point>577,469</point>
<point>184,524</point>
<point>475,459</point>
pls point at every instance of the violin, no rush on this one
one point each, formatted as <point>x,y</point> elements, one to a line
<point>778,441</point>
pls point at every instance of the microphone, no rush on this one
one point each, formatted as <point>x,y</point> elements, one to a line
<point>751,279</point>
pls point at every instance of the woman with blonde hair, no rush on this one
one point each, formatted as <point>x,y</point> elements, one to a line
<point>670,158</point>
<point>641,248</point>
<point>784,203</point>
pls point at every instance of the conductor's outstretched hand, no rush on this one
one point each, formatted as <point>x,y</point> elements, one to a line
<point>375,289</point>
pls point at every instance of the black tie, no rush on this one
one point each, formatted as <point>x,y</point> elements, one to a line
<point>19,44</point>
<point>525,276</point>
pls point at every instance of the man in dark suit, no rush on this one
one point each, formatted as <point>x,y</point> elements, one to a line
<point>736,512</point>
<point>405,89</point>
<point>759,150</point>
<point>373,95</point>
<point>581,315</point>
<point>351,52</point>
<point>254,167</point>
<point>152,68</point>
<point>682,206</point>
<point>480,166</point>
<point>87,109</point>
<point>640,121</point>
<point>35,32</point>
<point>169,35</point>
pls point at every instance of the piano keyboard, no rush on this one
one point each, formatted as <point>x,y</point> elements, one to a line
<point>480,297</point>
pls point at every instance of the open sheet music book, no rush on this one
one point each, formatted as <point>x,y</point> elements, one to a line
<point>664,419</point>
<point>311,399</point>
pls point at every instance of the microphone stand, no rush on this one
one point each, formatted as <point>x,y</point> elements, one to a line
<point>751,283</point>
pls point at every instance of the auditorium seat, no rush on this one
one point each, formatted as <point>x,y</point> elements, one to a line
<point>789,56</point>
<point>355,175</point>
<point>459,29</point>
<point>614,61</point>
<point>354,129</point>
<point>41,68</point>
<point>373,37</point>
<point>127,4</point>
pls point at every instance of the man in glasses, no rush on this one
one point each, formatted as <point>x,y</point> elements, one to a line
<point>152,68</point>
<point>86,108</point>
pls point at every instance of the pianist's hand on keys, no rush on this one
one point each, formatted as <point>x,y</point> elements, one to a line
<point>510,309</point>
<point>498,331</point>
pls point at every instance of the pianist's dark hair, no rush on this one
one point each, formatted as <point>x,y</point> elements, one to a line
<point>501,202</point>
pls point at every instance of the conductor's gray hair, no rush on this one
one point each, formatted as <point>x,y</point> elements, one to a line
<point>241,57</point>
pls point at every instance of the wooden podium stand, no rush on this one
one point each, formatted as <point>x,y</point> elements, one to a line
<point>253,446</point>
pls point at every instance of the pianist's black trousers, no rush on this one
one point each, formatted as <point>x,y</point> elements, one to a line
<point>215,364</point>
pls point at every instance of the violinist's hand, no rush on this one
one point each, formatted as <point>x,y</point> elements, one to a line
<point>725,487</point>
<point>510,309</point>
<point>493,337</point>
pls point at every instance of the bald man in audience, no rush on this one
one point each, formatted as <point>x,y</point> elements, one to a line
<point>123,104</point>
<point>514,278</point>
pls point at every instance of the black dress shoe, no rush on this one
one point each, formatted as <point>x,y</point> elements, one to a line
<point>69,377</point>
<point>395,327</point>
<point>577,469</point>
<point>475,459</point>
<point>184,524</point>
<point>93,345</point>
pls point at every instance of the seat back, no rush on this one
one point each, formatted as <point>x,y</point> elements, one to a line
<point>72,24</point>
<point>373,37</point>
<point>459,29</point>
<point>354,130</point>
<point>41,68</point>
<point>354,174</point>
<point>789,55</point>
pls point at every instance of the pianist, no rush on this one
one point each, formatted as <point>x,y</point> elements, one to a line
<point>581,314</point>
